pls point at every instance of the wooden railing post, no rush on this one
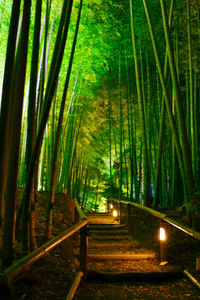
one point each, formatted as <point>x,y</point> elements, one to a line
<point>83,251</point>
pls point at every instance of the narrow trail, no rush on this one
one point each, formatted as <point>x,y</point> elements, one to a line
<point>122,268</point>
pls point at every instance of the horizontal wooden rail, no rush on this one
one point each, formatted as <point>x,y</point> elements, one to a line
<point>28,260</point>
<point>163,217</point>
<point>166,218</point>
<point>74,286</point>
<point>191,277</point>
<point>7,275</point>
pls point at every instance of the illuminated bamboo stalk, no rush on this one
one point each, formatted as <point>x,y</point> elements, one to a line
<point>75,140</point>
<point>69,141</point>
<point>197,93</point>
<point>131,137</point>
<point>121,133</point>
<point>162,124</point>
<point>58,132</point>
<point>42,72</point>
<point>166,94</point>
<point>31,118</point>
<point>110,145</point>
<point>6,101</point>
<point>142,115</point>
<point>15,131</point>
<point>50,91</point>
<point>187,161</point>
<point>191,87</point>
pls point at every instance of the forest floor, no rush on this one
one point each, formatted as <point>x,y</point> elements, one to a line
<point>51,277</point>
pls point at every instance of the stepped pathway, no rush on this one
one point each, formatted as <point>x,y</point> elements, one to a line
<point>110,248</point>
<point>121,268</point>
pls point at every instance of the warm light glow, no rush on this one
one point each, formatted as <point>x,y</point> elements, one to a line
<point>162,234</point>
<point>111,206</point>
<point>115,213</point>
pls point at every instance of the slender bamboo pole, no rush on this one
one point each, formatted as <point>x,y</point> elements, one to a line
<point>142,114</point>
<point>162,123</point>
<point>58,133</point>
<point>166,94</point>
<point>51,87</point>
<point>189,176</point>
<point>6,102</point>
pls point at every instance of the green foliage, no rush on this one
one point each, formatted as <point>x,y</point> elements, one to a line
<point>103,36</point>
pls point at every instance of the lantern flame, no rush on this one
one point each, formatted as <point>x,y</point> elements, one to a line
<point>162,234</point>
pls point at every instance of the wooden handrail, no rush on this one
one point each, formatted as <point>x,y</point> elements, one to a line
<point>28,260</point>
<point>166,218</point>
<point>163,217</point>
<point>7,275</point>
<point>74,286</point>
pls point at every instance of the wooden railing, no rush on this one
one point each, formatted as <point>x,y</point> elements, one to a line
<point>161,216</point>
<point>164,218</point>
<point>7,275</point>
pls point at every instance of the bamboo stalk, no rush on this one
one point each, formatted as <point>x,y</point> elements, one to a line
<point>54,168</point>
<point>166,96</point>
<point>189,176</point>
<point>142,113</point>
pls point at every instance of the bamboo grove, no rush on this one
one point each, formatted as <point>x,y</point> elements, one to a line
<point>99,99</point>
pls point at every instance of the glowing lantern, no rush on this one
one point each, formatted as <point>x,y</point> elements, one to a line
<point>111,206</point>
<point>163,245</point>
<point>162,234</point>
<point>115,213</point>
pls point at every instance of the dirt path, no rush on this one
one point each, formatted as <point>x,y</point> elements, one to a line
<point>113,275</point>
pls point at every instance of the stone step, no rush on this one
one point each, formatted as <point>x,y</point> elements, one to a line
<point>109,238</point>
<point>107,227</point>
<point>108,232</point>
<point>101,245</point>
<point>122,256</point>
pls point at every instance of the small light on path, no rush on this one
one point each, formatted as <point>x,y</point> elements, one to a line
<point>162,234</point>
<point>163,244</point>
<point>115,214</point>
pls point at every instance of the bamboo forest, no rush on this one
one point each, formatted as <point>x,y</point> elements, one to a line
<point>100,108</point>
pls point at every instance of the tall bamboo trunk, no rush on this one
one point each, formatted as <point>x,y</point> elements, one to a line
<point>14,140</point>
<point>6,102</point>
<point>147,198</point>
<point>50,91</point>
<point>166,97</point>
<point>162,122</point>
<point>181,121</point>
<point>58,133</point>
